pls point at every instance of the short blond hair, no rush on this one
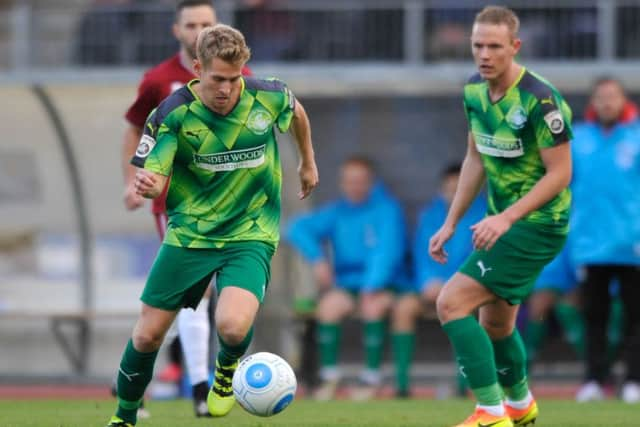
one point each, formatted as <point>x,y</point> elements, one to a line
<point>499,15</point>
<point>223,42</point>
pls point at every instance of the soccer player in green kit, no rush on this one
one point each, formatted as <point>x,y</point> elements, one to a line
<point>519,129</point>
<point>215,138</point>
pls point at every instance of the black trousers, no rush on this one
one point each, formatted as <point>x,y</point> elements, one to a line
<point>597,303</point>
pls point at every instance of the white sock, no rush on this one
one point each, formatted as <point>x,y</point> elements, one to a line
<point>371,377</point>
<point>497,410</point>
<point>193,328</point>
<point>521,404</point>
<point>330,373</point>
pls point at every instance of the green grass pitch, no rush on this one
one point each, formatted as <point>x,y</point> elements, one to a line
<point>410,413</point>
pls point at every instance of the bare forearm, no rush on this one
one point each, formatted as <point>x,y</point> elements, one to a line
<point>148,184</point>
<point>471,180</point>
<point>131,139</point>
<point>301,131</point>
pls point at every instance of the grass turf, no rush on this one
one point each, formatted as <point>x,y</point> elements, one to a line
<point>410,413</point>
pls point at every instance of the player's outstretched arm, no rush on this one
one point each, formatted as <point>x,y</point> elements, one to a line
<point>307,169</point>
<point>469,185</point>
<point>471,180</point>
<point>132,136</point>
<point>149,184</point>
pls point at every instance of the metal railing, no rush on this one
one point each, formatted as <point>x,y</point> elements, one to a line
<point>417,32</point>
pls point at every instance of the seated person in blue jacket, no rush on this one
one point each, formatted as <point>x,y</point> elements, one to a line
<point>356,246</point>
<point>430,276</point>
<point>557,291</point>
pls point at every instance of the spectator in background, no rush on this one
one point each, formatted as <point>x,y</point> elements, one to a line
<point>430,276</point>
<point>555,290</point>
<point>365,232</point>
<point>158,83</point>
<point>606,229</point>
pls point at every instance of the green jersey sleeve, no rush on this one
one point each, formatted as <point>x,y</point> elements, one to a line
<point>159,141</point>
<point>287,105</point>
<point>551,118</point>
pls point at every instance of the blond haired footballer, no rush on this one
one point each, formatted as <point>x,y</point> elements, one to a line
<point>215,137</point>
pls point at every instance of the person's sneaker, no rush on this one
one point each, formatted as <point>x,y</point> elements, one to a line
<point>171,373</point>
<point>589,392</point>
<point>326,390</point>
<point>118,422</point>
<point>523,417</point>
<point>199,393</point>
<point>630,392</point>
<point>201,409</point>
<point>481,418</point>
<point>220,399</point>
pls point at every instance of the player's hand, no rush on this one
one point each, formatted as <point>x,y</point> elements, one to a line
<point>437,241</point>
<point>308,172</point>
<point>132,200</point>
<point>323,274</point>
<point>145,184</point>
<point>487,232</point>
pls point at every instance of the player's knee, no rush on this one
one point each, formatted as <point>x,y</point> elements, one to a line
<point>372,310</point>
<point>146,341</point>
<point>403,316</point>
<point>329,310</point>
<point>447,310</point>
<point>233,331</point>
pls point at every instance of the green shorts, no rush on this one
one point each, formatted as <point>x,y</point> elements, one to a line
<point>510,268</point>
<point>180,276</point>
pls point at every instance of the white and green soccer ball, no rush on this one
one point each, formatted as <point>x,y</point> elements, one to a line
<point>264,384</point>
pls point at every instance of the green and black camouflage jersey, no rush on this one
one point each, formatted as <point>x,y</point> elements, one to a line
<point>225,170</point>
<point>509,134</point>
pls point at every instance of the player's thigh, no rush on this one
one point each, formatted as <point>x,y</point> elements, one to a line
<point>540,304</point>
<point>334,305</point>
<point>498,318</point>
<point>460,297</point>
<point>179,277</point>
<point>245,265</point>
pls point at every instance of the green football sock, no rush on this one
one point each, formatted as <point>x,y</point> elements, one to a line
<point>328,339</point>
<point>136,370</point>
<point>511,365</point>
<point>474,353</point>
<point>535,336</point>
<point>403,344</point>
<point>572,323</point>
<point>462,386</point>
<point>229,354</point>
<point>373,343</point>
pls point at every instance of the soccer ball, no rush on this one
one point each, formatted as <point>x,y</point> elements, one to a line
<point>264,384</point>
